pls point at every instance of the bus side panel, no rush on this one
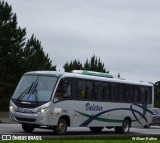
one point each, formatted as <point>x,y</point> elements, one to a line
<point>92,114</point>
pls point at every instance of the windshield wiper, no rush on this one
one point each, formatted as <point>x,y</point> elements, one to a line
<point>33,93</point>
<point>28,89</point>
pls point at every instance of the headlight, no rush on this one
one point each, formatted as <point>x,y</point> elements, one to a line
<point>11,109</point>
<point>42,110</point>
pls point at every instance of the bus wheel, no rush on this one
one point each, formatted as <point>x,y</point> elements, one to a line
<point>61,127</point>
<point>96,129</point>
<point>124,129</point>
<point>28,128</point>
<point>147,126</point>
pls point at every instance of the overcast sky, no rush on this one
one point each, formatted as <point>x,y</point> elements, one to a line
<point>125,34</point>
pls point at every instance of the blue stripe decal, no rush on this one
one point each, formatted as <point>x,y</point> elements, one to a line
<point>91,118</point>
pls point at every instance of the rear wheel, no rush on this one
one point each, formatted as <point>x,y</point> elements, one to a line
<point>96,129</point>
<point>28,128</point>
<point>147,126</point>
<point>61,127</point>
<point>125,127</point>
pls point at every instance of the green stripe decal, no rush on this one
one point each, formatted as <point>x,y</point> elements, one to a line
<point>135,114</point>
<point>101,119</point>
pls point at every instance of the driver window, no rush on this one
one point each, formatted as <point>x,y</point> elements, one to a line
<point>68,90</point>
<point>64,89</point>
<point>59,91</point>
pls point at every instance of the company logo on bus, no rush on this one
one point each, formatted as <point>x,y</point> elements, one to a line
<point>93,107</point>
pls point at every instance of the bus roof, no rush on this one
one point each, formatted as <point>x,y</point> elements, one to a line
<point>87,76</point>
<point>49,73</point>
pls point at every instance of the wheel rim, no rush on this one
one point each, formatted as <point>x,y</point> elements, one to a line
<point>62,127</point>
<point>125,127</point>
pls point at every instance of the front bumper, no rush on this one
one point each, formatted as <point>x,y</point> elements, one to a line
<point>30,118</point>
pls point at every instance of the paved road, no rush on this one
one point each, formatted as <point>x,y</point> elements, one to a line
<point>78,133</point>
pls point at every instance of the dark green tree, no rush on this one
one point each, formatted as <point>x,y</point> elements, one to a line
<point>73,65</point>
<point>11,42</point>
<point>157,94</point>
<point>17,56</point>
<point>94,64</point>
<point>34,56</point>
<point>87,65</point>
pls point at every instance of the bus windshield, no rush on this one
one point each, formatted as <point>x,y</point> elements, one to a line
<point>35,88</point>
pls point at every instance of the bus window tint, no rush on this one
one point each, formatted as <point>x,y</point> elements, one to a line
<point>89,90</point>
<point>115,92</point>
<point>64,89</point>
<point>136,98</point>
<point>106,92</point>
<point>148,95</point>
<point>112,92</point>
<point>129,93</point>
<point>59,91</point>
<point>142,94</point>
<point>98,91</point>
<point>67,87</point>
<point>121,93</point>
<point>81,89</point>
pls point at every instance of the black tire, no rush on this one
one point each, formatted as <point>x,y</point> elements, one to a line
<point>28,128</point>
<point>96,129</point>
<point>118,130</point>
<point>147,126</point>
<point>61,127</point>
<point>125,127</point>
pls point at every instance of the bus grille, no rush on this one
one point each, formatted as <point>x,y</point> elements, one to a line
<point>25,119</point>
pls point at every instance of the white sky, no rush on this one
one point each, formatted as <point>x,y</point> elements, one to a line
<point>125,34</point>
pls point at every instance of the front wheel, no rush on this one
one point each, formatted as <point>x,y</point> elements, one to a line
<point>61,127</point>
<point>125,127</point>
<point>28,128</point>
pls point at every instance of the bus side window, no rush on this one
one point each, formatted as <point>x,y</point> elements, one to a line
<point>115,92</point>
<point>148,95</point>
<point>59,91</point>
<point>81,89</point>
<point>121,93</point>
<point>129,93</point>
<point>98,91</point>
<point>89,90</point>
<point>106,92</point>
<point>142,94</point>
<point>64,89</point>
<point>136,98</point>
<point>68,90</point>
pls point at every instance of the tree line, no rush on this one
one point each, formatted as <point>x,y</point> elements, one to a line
<point>94,64</point>
<point>18,55</point>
